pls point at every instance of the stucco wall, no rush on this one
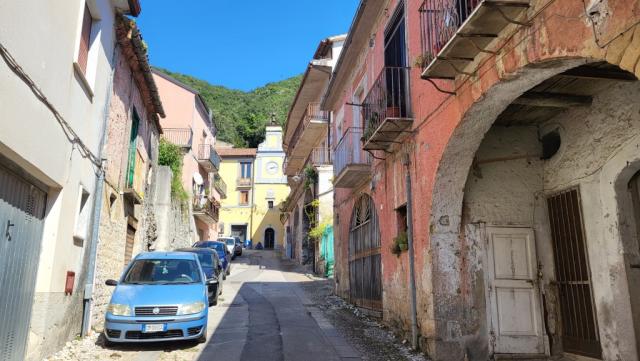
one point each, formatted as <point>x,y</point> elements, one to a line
<point>44,38</point>
<point>448,130</point>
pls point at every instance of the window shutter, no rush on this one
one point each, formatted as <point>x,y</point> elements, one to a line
<point>85,37</point>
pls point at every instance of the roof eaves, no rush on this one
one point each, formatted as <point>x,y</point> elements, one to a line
<point>345,48</point>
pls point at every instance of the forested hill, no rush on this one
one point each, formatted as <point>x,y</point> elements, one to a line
<point>241,116</point>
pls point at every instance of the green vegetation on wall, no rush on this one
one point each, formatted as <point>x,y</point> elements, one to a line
<point>171,155</point>
<point>241,116</point>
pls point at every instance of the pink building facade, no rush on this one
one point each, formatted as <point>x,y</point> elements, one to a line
<point>189,124</point>
<point>514,123</point>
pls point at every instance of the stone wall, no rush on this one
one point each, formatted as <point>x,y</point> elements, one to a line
<point>174,221</point>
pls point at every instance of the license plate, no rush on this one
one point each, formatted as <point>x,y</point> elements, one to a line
<point>157,327</point>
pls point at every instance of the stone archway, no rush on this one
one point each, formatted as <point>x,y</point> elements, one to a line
<point>455,229</point>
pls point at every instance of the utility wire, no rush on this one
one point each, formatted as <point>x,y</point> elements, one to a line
<point>71,135</point>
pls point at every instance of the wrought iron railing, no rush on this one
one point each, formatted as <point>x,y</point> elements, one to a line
<point>181,137</point>
<point>387,98</point>
<point>321,156</point>
<point>207,152</point>
<point>349,151</point>
<point>203,204</point>
<point>439,21</point>
<point>220,186</point>
<point>313,112</point>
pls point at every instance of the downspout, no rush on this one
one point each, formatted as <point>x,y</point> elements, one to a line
<point>97,209</point>
<point>412,278</point>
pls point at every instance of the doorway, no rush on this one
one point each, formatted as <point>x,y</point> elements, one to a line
<point>22,211</point>
<point>239,231</point>
<point>514,295</point>
<point>365,262</point>
<point>573,276</point>
<point>269,238</point>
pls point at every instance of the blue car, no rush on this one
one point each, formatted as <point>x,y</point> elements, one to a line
<point>212,268</point>
<point>223,253</point>
<point>162,296</point>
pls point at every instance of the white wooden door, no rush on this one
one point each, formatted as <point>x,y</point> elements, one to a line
<point>514,297</point>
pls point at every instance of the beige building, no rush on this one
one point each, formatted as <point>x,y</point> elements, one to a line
<point>309,164</point>
<point>258,190</point>
<point>55,85</point>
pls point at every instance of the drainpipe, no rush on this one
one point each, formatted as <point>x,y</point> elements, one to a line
<point>412,278</point>
<point>253,194</point>
<point>97,209</point>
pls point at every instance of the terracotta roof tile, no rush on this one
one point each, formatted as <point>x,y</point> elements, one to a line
<point>236,152</point>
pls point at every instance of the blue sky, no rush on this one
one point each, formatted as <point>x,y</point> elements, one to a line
<point>241,44</point>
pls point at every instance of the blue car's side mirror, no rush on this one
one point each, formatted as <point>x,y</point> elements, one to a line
<point>111,283</point>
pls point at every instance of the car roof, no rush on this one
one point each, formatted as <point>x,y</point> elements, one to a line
<point>166,255</point>
<point>209,241</point>
<point>195,250</point>
<point>226,238</point>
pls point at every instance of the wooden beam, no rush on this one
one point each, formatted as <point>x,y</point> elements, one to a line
<point>553,100</point>
<point>585,72</point>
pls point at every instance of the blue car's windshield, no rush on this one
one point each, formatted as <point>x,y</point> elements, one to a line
<point>162,271</point>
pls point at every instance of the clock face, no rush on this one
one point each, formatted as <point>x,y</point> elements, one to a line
<point>272,167</point>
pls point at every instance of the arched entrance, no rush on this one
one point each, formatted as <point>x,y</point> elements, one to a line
<point>269,238</point>
<point>365,263</point>
<point>529,159</point>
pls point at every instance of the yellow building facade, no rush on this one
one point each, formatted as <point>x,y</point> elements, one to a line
<point>257,187</point>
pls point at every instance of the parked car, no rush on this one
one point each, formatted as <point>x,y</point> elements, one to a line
<point>212,267</point>
<point>223,253</point>
<point>232,246</point>
<point>161,296</point>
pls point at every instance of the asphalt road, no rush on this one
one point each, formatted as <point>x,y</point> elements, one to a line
<point>265,315</point>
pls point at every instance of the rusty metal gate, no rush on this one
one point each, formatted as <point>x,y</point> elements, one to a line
<point>579,324</point>
<point>22,207</point>
<point>365,263</point>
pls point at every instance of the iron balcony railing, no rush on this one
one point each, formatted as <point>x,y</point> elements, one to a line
<point>204,205</point>
<point>207,152</point>
<point>387,98</point>
<point>349,151</point>
<point>439,21</point>
<point>321,156</point>
<point>313,112</point>
<point>220,185</point>
<point>181,137</point>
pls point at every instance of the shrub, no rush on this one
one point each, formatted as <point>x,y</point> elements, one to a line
<point>170,155</point>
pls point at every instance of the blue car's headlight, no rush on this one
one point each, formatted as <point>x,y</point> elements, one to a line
<point>118,309</point>
<point>191,308</point>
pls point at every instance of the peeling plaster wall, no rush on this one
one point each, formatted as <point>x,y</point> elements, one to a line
<point>508,185</point>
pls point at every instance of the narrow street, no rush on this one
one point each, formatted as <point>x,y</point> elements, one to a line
<point>269,310</point>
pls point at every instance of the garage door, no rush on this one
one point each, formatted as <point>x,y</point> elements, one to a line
<point>22,208</point>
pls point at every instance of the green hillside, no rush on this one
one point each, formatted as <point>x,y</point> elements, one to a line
<point>241,116</point>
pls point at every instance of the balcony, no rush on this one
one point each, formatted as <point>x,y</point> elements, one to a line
<point>312,127</point>
<point>351,164</point>
<point>321,156</point>
<point>387,110</point>
<point>220,185</point>
<point>134,184</point>
<point>206,210</point>
<point>208,158</point>
<point>454,32</point>
<point>244,182</point>
<point>182,137</point>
